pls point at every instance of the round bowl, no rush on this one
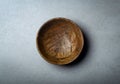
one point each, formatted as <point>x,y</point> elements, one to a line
<point>59,41</point>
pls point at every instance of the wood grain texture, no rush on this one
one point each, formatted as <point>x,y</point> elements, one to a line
<point>59,41</point>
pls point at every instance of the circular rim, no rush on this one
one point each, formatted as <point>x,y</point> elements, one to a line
<point>82,37</point>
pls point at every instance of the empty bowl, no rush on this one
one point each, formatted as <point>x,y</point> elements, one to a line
<point>60,41</point>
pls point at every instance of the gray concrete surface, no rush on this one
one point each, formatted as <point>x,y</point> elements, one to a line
<point>20,62</point>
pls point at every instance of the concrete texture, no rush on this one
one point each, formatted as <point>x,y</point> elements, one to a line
<point>20,62</point>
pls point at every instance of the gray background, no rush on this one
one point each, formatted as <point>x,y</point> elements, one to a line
<point>20,62</point>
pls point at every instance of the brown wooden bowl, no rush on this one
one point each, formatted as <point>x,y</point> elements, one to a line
<point>60,41</point>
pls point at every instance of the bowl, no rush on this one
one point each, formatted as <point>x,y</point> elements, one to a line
<point>60,41</point>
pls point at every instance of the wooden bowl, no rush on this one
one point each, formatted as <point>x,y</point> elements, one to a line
<point>60,41</point>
